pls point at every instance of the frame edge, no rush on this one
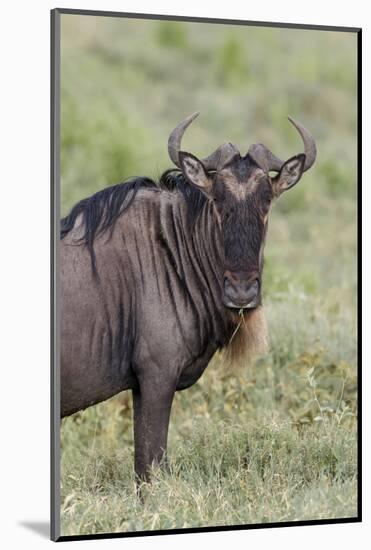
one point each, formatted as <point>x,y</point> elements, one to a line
<point>54,281</point>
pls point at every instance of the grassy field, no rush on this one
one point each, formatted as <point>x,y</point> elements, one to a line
<point>276,440</point>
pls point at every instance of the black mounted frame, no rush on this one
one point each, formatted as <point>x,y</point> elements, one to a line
<point>55,216</point>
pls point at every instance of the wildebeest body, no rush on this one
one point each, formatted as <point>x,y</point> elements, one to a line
<point>149,272</point>
<point>153,275</point>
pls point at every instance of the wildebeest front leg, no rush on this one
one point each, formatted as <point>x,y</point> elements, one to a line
<point>152,405</point>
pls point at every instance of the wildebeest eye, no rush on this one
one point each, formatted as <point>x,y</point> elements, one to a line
<point>266,200</point>
<point>228,214</point>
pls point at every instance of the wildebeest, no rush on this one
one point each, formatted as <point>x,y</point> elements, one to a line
<point>156,276</point>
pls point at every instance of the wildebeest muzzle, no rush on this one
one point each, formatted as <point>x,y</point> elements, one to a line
<point>241,290</point>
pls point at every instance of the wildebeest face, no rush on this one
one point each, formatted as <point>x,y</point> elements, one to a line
<point>242,193</point>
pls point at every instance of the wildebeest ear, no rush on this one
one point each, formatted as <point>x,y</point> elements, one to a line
<point>289,175</point>
<point>194,171</point>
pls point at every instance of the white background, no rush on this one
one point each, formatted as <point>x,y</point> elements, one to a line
<point>24,269</point>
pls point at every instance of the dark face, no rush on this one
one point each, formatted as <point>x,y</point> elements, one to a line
<point>242,193</point>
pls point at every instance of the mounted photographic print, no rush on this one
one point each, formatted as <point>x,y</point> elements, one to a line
<point>204,239</point>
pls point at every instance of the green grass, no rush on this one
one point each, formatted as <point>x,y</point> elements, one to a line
<point>235,456</point>
<point>226,474</point>
<point>276,440</point>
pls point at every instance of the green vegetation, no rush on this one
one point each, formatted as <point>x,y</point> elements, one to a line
<point>276,440</point>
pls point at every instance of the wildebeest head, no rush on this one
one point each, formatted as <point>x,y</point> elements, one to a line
<point>242,189</point>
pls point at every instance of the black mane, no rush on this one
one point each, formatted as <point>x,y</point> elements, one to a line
<point>100,211</point>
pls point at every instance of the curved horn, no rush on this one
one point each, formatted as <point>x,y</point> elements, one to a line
<point>175,138</point>
<point>219,158</point>
<point>310,148</point>
<point>264,157</point>
<point>268,161</point>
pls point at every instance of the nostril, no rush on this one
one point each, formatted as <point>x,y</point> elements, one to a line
<point>253,289</point>
<point>255,285</point>
<point>228,284</point>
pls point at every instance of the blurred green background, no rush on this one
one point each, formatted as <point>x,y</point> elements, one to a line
<point>287,423</point>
